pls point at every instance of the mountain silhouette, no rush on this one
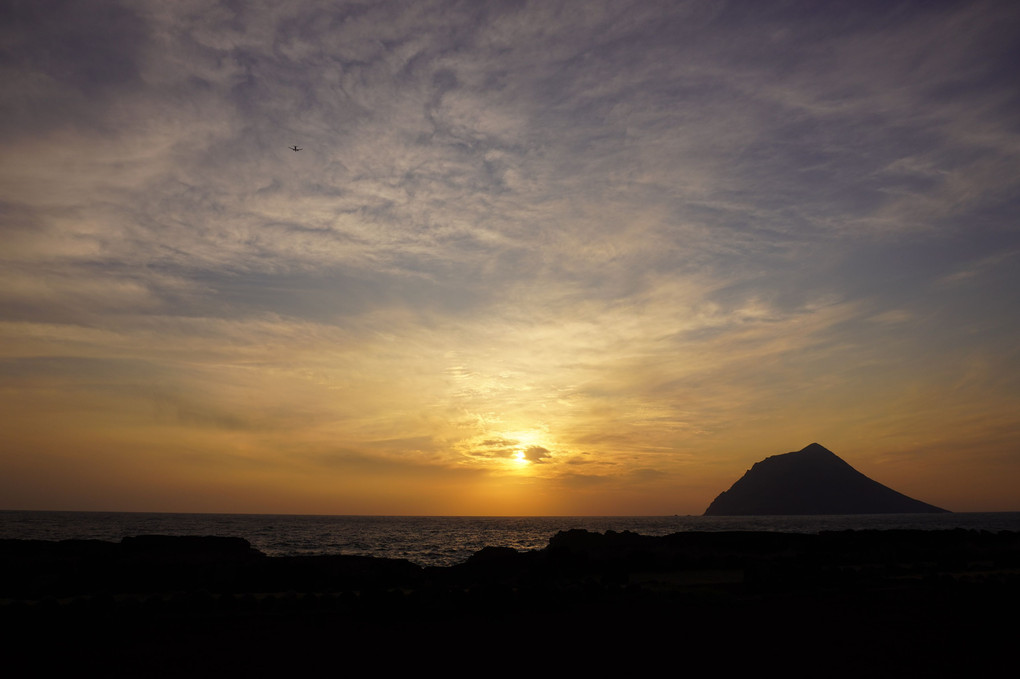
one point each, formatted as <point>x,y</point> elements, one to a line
<point>811,481</point>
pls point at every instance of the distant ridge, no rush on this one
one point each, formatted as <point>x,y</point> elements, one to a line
<point>811,481</point>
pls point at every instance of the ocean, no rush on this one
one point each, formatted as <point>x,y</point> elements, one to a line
<point>442,540</point>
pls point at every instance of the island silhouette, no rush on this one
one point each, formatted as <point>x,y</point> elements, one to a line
<point>813,480</point>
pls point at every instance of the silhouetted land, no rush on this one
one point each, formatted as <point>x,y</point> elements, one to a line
<point>813,480</point>
<point>850,603</point>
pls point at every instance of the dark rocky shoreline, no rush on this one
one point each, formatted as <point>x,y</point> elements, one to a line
<point>883,603</point>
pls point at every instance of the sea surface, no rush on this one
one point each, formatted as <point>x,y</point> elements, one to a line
<point>442,540</point>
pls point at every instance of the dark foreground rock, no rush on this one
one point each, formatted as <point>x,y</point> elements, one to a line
<point>880,603</point>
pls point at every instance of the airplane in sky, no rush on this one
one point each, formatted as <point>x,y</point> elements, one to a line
<point>295,147</point>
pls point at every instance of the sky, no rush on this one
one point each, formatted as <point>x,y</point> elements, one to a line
<point>534,258</point>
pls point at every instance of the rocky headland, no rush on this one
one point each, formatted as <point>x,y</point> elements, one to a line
<point>813,480</point>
